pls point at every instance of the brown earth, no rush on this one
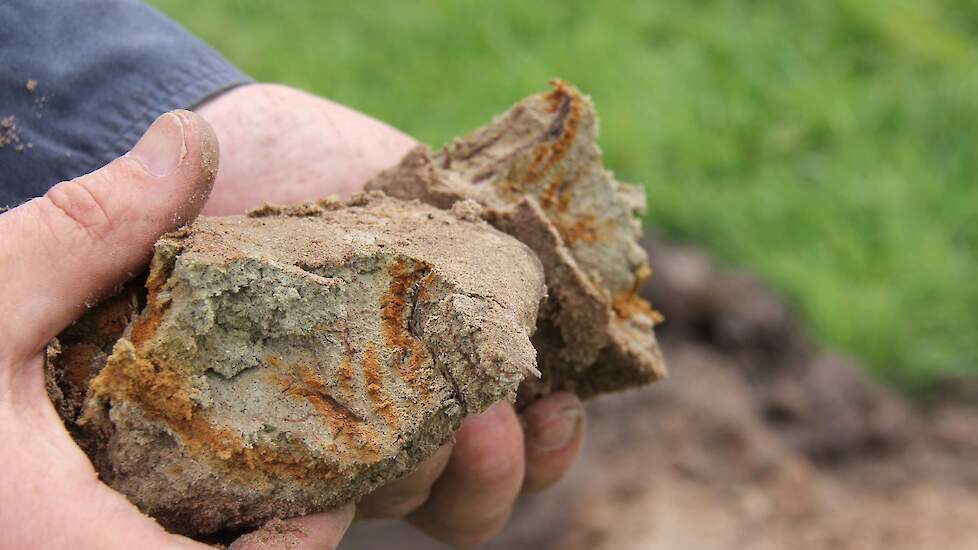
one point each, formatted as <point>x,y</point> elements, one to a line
<point>757,440</point>
<point>292,360</point>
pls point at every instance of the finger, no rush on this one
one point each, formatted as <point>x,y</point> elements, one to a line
<point>317,147</point>
<point>401,497</point>
<point>554,430</point>
<point>67,249</point>
<point>313,532</point>
<point>474,497</point>
<point>61,501</point>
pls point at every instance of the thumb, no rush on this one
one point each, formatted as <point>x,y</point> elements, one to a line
<point>64,251</point>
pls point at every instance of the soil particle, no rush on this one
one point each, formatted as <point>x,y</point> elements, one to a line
<point>9,136</point>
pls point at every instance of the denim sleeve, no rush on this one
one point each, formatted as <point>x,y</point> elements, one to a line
<point>81,80</point>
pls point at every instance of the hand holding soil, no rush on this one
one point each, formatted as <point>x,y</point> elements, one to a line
<point>462,494</point>
<point>302,356</point>
<point>282,145</point>
<point>60,254</point>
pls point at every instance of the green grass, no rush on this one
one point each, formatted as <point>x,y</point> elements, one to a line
<point>830,145</point>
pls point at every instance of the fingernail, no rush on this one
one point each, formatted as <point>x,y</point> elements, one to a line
<point>162,148</point>
<point>556,432</point>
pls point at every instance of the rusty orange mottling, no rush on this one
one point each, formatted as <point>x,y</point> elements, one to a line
<point>567,104</point>
<point>584,228</point>
<point>306,383</point>
<point>145,326</point>
<point>630,303</point>
<point>373,373</point>
<point>345,377</point>
<point>405,279</point>
<point>161,391</point>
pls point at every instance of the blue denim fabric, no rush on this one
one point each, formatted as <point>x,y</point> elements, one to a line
<point>101,72</point>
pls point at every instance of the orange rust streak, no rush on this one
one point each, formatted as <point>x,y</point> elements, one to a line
<point>145,326</point>
<point>554,98</point>
<point>418,356</point>
<point>642,275</point>
<point>161,392</point>
<point>550,152</point>
<point>630,303</point>
<point>345,374</point>
<point>304,382</point>
<point>584,229</point>
<point>424,293</point>
<point>559,192</point>
<point>510,188</point>
<point>550,197</point>
<point>374,375</point>
<point>394,310</point>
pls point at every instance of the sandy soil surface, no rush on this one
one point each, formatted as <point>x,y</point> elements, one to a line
<point>757,440</point>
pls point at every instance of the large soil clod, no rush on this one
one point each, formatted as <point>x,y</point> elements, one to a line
<point>294,359</point>
<point>537,170</point>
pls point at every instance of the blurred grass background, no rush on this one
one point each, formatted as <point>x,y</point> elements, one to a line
<point>829,145</point>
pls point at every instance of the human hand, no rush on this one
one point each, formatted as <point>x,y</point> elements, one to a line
<point>282,145</point>
<point>59,254</point>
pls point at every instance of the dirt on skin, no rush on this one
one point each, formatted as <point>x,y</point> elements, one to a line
<point>273,535</point>
<point>757,440</point>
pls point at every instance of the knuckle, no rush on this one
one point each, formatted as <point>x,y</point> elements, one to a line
<point>491,455</point>
<point>75,202</point>
<point>494,465</point>
<point>400,506</point>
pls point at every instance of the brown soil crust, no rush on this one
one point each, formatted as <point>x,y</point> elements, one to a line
<point>538,173</point>
<point>292,360</point>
